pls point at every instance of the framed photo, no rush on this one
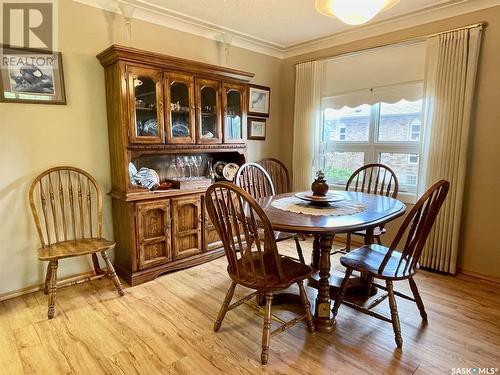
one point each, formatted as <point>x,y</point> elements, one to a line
<point>31,76</point>
<point>257,128</point>
<point>259,100</point>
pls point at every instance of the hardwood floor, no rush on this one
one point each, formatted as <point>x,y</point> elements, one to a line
<point>165,327</point>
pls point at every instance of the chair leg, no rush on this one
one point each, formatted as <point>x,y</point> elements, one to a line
<point>394,315</point>
<point>307,307</point>
<point>47,279</point>
<point>53,288</point>
<point>341,292</point>
<point>348,243</point>
<point>418,299</point>
<point>112,274</point>
<point>379,241</point>
<point>223,308</point>
<point>266,332</point>
<point>299,250</point>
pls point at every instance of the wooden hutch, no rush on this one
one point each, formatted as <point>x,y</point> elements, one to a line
<point>159,107</point>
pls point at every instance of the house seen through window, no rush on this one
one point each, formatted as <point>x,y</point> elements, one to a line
<point>387,133</point>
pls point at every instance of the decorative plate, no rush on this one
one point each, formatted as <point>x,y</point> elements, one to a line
<point>149,128</point>
<point>230,171</point>
<point>132,171</point>
<point>218,168</point>
<point>321,200</point>
<point>180,130</point>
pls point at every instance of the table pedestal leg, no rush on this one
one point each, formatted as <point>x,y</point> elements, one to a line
<point>315,253</point>
<point>322,314</point>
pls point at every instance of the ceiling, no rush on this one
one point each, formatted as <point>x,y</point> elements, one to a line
<point>282,23</point>
<point>284,28</point>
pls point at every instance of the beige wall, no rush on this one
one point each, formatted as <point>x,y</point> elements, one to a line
<point>35,137</point>
<point>480,248</point>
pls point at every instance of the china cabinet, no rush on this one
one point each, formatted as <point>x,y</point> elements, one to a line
<point>175,117</point>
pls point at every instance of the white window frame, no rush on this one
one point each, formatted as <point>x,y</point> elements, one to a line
<point>372,148</point>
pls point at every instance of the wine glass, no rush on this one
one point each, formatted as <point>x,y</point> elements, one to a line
<point>197,162</point>
<point>179,161</point>
<point>188,164</point>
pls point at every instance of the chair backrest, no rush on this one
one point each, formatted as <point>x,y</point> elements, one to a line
<point>246,233</point>
<point>417,225</point>
<point>254,179</point>
<point>278,173</point>
<point>374,179</point>
<point>66,203</point>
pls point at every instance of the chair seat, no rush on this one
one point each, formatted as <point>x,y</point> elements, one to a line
<point>73,248</point>
<point>376,232</point>
<point>293,272</point>
<point>367,259</point>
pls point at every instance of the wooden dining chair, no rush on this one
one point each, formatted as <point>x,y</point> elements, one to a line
<point>255,180</point>
<point>372,179</point>
<point>389,264</point>
<point>278,173</point>
<point>253,260</point>
<point>66,204</point>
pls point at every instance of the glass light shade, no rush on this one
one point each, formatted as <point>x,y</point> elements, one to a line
<point>353,12</point>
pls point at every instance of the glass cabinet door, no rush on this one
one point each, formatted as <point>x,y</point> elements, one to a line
<point>209,124</point>
<point>234,113</point>
<point>180,109</point>
<point>146,105</point>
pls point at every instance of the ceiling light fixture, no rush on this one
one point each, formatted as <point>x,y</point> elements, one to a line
<point>353,12</point>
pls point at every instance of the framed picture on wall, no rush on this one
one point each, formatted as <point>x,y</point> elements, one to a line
<point>256,128</point>
<point>31,76</point>
<point>259,100</point>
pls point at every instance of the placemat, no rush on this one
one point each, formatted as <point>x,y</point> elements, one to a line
<point>294,204</point>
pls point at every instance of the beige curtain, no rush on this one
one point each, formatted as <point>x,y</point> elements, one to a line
<point>306,121</point>
<point>449,91</point>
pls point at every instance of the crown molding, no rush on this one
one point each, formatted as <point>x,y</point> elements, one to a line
<point>162,16</point>
<point>391,25</point>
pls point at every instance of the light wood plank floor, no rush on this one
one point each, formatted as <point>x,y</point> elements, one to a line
<point>165,327</point>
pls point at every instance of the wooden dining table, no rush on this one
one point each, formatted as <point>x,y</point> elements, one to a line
<point>377,210</point>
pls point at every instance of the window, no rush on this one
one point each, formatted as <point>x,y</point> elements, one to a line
<point>415,130</point>
<point>411,179</point>
<point>342,132</point>
<point>413,159</point>
<point>387,133</point>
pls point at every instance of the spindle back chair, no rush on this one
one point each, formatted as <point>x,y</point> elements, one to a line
<point>389,264</point>
<point>278,173</point>
<point>255,180</point>
<point>376,179</point>
<point>69,205</point>
<point>66,204</point>
<point>253,259</point>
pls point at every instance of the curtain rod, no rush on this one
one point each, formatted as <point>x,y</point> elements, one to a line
<point>416,39</point>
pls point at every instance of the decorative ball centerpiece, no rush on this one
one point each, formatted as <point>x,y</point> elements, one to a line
<point>319,187</point>
<point>319,195</point>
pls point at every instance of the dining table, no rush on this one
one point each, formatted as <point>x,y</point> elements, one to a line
<point>352,212</point>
